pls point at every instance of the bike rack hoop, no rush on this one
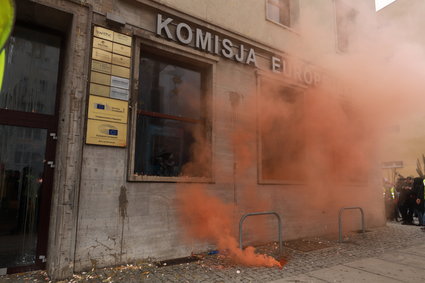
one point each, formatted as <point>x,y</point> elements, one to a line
<point>262,213</point>
<point>340,220</point>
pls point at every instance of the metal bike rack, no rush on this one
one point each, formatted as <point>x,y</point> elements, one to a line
<point>261,213</point>
<point>340,220</point>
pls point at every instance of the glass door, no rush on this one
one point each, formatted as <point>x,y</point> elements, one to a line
<point>28,123</point>
<point>22,152</point>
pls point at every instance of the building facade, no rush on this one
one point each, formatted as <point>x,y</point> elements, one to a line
<point>404,19</point>
<point>110,108</point>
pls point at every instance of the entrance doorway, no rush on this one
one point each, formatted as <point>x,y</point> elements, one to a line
<point>28,124</point>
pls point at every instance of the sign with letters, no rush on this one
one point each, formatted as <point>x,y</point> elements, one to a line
<point>101,67</point>
<point>106,133</point>
<point>392,164</point>
<point>219,45</point>
<point>109,89</point>
<point>107,109</point>
<point>119,93</point>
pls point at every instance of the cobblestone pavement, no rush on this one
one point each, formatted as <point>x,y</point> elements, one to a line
<point>214,268</point>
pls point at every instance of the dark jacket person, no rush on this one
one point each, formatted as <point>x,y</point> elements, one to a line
<point>418,190</point>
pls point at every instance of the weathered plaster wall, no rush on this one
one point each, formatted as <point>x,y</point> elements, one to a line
<point>64,206</point>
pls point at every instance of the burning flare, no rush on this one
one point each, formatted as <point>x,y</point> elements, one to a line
<point>207,218</point>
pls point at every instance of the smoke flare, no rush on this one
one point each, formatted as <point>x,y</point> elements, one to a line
<point>206,218</point>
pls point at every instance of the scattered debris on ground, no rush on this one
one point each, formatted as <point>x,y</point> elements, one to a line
<point>298,257</point>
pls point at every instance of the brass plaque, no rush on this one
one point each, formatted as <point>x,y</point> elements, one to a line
<point>102,44</point>
<point>101,67</point>
<point>99,90</point>
<point>121,49</point>
<point>102,55</point>
<point>107,109</point>
<point>120,71</point>
<point>103,33</point>
<point>120,60</point>
<point>122,38</point>
<point>106,133</point>
<point>100,78</point>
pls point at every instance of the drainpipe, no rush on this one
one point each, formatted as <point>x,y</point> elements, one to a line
<point>234,98</point>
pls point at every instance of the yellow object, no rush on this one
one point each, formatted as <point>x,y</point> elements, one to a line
<point>106,109</point>
<point>106,133</point>
<point>100,90</point>
<point>122,38</point>
<point>2,64</point>
<point>392,191</point>
<point>7,18</point>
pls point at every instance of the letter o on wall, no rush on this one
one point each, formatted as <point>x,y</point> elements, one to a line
<point>308,76</point>
<point>180,34</point>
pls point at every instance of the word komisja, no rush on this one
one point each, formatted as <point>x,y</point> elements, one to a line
<point>205,41</point>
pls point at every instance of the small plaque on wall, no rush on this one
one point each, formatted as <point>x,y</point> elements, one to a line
<point>121,49</point>
<point>102,44</point>
<point>119,93</point>
<point>119,71</point>
<point>106,133</point>
<point>120,82</point>
<point>102,55</point>
<point>101,90</point>
<point>101,67</point>
<point>103,33</point>
<point>106,109</point>
<point>120,60</point>
<point>122,38</point>
<point>100,78</point>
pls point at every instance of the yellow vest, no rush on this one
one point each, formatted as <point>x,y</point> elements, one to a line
<point>392,191</point>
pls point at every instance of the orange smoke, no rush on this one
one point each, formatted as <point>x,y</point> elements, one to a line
<point>206,218</point>
<point>305,152</point>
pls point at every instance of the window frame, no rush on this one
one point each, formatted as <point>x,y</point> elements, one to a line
<point>178,56</point>
<point>292,17</point>
<point>261,77</point>
<point>343,13</point>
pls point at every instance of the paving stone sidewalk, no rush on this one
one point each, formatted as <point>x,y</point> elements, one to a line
<point>323,253</point>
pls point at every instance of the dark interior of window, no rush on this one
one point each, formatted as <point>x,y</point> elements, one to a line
<point>282,134</point>
<point>345,19</point>
<point>170,118</point>
<point>35,56</point>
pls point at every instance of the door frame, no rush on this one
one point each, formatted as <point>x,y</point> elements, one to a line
<point>41,121</point>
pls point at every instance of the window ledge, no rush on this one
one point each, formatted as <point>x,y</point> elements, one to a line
<point>279,182</point>
<point>165,179</point>
<point>283,26</point>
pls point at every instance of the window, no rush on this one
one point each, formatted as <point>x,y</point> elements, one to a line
<point>30,83</point>
<point>345,22</point>
<point>284,12</point>
<point>282,148</point>
<point>172,135</point>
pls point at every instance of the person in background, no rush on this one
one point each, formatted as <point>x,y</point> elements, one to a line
<point>389,196</point>
<point>402,196</point>
<point>418,191</point>
<point>411,201</point>
<point>396,205</point>
<point>406,200</point>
